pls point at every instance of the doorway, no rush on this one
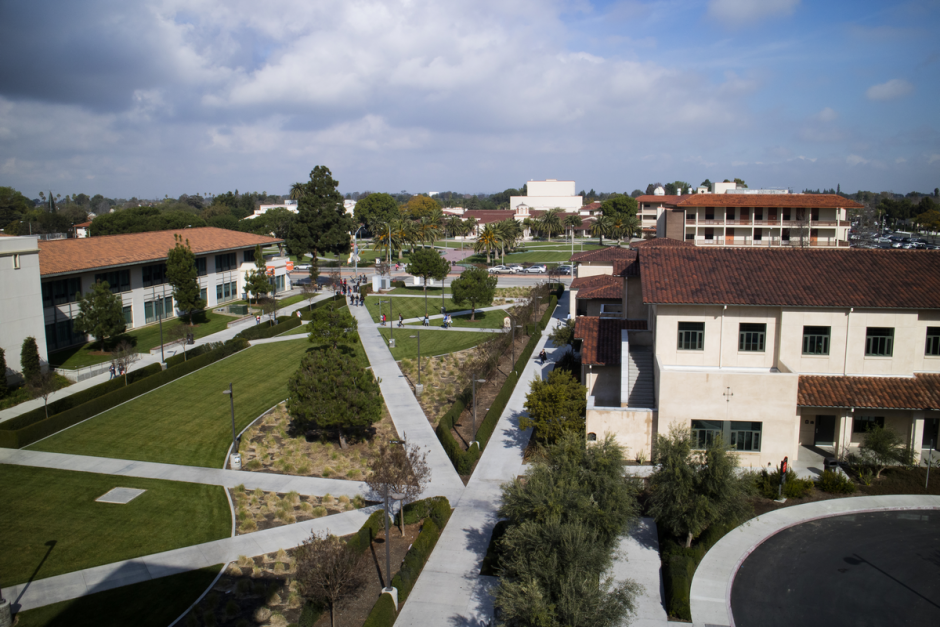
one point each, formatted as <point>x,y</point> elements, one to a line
<point>931,433</point>
<point>825,431</point>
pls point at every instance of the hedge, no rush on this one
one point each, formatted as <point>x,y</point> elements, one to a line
<point>259,331</point>
<point>419,552</point>
<point>363,538</point>
<point>383,613</point>
<point>37,430</point>
<point>679,566</point>
<point>202,349</point>
<point>365,290</point>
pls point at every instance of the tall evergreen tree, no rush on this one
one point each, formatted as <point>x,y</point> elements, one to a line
<point>181,275</point>
<point>256,282</point>
<point>322,225</point>
<point>3,374</point>
<point>29,359</point>
<point>100,313</point>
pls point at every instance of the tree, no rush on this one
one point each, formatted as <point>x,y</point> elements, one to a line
<point>427,263</point>
<point>692,490</point>
<point>563,334</point>
<point>123,355</point>
<point>13,205</point>
<point>331,391</point>
<point>572,221</point>
<point>310,291</point>
<point>401,468</point>
<point>100,313</point>
<point>419,207</point>
<point>321,225</point>
<point>3,374</point>
<point>474,286</point>
<point>550,222</point>
<point>179,335</point>
<point>376,208</point>
<point>29,359</point>
<point>601,227</point>
<point>488,241</point>
<point>555,406</point>
<point>181,275</point>
<point>619,206</point>
<point>740,183</point>
<point>314,273</point>
<point>41,385</point>
<point>256,281</point>
<point>333,326</point>
<point>883,447</point>
<point>328,571</point>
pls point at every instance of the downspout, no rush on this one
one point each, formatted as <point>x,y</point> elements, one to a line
<point>845,356</point>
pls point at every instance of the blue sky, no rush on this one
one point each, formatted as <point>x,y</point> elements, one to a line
<point>185,96</point>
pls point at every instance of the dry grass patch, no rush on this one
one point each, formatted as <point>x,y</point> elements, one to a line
<point>257,510</point>
<point>443,378</point>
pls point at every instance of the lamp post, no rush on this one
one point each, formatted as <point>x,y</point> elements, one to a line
<point>356,249</point>
<point>514,327</point>
<point>388,545</point>
<point>419,388</point>
<point>231,397</point>
<point>475,381</point>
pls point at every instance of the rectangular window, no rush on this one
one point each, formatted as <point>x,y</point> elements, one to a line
<point>933,341</point>
<point>201,266</point>
<point>879,342</point>
<point>128,316</point>
<point>159,309</point>
<point>816,340</point>
<point>704,432</point>
<point>218,293</point>
<point>118,280</point>
<point>204,295</point>
<point>786,214</point>
<point>745,436</point>
<point>709,214</point>
<point>861,424</point>
<point>729,214</point>
<point>249,256</point>
<point>61,291</point>
<point>227,291</point>
<point>61,334</point>
<point>751,337</point>
<point>739,436</point>
<point>154,275</point>
<point>758,214</point>
<point>691,336</point>
<point>225,262</point>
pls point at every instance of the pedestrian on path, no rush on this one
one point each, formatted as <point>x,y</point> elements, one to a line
<point>401,321</point>
<point>111,370</point>
<point>258,319</point>
<point>383,320</point>
<point>427,322</point>
<point>542,357</point>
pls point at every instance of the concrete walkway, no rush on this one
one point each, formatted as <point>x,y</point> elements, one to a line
<point>269,482</point>
<point>71,585</point>
<point>711,587</point>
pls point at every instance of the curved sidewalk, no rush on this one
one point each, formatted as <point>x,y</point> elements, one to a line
<point>711,587</point>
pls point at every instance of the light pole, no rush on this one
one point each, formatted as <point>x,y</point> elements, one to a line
<point>356,249</point>
<point>419,388</point>
<point>388,550</point>
<point>514,326</point>
<point>160,318</point>
<point>474,440</point>
<point>231,397</point>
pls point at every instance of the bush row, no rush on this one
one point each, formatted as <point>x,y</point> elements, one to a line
<point>679,565</point>
<point>261,331</point>
<point>18,438</point>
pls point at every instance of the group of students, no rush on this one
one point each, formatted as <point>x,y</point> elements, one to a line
<point>119,371</point>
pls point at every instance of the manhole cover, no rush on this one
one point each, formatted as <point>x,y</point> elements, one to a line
<point>121,496</point>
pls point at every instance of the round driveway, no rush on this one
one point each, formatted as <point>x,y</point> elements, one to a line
<point>862,569</point>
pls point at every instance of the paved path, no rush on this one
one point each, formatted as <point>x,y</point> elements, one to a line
<point>71,585</point>
<point>406,413</point>
<point>270,482</point>
<point>638,560</point>
<point>711,587</point>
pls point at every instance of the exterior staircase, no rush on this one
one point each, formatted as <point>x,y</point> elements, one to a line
<point>640,364</point>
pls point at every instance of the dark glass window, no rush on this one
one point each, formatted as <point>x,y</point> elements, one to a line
<point>200,266</point>
<point>704,432</point>
<point>691,336</point>
<point>61,334</point>
<point>861,424</point>
<point>933,341</point>
<point>61,291</point>
<point>879,342</point>
<point>751,337</point>
<point>816,340</point>
<point>225,262</point>
<point>154,275</point>
<point>249,257</point>
<point>118,280</point>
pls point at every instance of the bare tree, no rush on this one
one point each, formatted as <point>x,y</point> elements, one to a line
<point>336,279</point>
<point>400,467</point>
<point>179,335</point>
<point>310,290</point>
<point>383,269</point>
<point>41,385</point>
<point>269,307</point>
<point>327,571</point>
<point>123,355</point>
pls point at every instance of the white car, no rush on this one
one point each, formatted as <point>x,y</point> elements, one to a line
<point>500,270</point>
<point>535,270</point>
<point>302,267</point>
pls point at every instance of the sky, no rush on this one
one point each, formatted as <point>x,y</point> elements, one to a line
<point>166,97</point>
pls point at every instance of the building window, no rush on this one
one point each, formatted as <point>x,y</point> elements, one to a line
<point>61,334</point>
<point>740,436</point>
<point>128,316</point>
<point>225,262</point>
<point>204,295</point>
<point>158,309</point>
<point>816,340</point>
<point>201,266</point>
<point>226,292</point>
<point>751,337</point>
<point>862,424</point>
<point>277,282</point>
<point>745,436</point>
<point>154,275</point>
<point>691,336</point>
<point>249,256</point>
<point>704,432</point>
<point>879,342</point>
<point>933,341</point>
<point>118,280</point>
<point>61,291</point>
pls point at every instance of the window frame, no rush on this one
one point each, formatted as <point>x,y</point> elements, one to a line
<point>860,423</point>
<point>879,344</point>
<point>756,334</point>
<point>693,336</point>
<point>807,335</point>
<point>932,347</point>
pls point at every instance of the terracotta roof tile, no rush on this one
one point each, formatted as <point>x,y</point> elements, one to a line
<point>922,391</point>
<point>601,286</point>
<point>890,279</point>
<point>806,201</point>
<point>660,242</point>
<point>665,199</point>
<point>627,267</point>
<point>604,255</point>
<point>600,338</point>
<point>75,255</point>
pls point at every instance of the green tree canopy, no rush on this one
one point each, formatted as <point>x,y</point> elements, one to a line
<point>555,406</point>
<point>13,205</point>
<point>181,275</point>
<point>619,206</point>
<point>256,281</point>
<point>427,263</point>
<point>29,359</point>
<point>3,374</point>
<point>379,207</point>
<point>333,326</point>
<point>143,220</point>
<point>420,207</point>
<point>474,286</point>
<point>100,313</point>
<point>321,225</point>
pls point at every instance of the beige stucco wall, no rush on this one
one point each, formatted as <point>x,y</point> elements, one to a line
<point>633,295</point>
<point>593,306</point>
<point>603,383</point>
<point>585,269</point>
<point>687,395</point>
<point>20,300</point>
<point>632,430</point>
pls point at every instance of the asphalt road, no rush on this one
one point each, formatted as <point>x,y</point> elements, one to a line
<point>859,570</point>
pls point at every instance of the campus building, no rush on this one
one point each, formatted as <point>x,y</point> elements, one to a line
<point>20,301</point>
<point>545,195</point>
<point>134,265</point>
<point>769,348</point>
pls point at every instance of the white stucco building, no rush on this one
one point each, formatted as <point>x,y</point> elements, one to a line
<point>20,299</point>
<point>547,194</point>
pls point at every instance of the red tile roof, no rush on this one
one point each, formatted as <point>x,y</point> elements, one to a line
<point>922,391</point>
<point>601,286</point>
<point>660,242</point>
<point>91,253</point>
<point>600,338</point>
<point>890,279</point>
<point>806,201</point>
<point>629,267</point>
<point>665,200</point>
<point>605,255</point>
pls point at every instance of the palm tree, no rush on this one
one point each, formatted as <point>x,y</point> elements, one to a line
<point>429,229</point>
<point>382,239</point>
<point>551,222</point>
<point>601,227</point>
<point>622,225</point>
<point>572,221</point>
<point>298,191</point>
<point>488,240</point>
<point>531,226</point>
<point>454,225</point>
<point>507,231</point>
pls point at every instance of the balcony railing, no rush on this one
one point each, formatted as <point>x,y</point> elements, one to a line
<point>775,242</point>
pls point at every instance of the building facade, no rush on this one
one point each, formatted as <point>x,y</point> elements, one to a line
<point>20,302</point>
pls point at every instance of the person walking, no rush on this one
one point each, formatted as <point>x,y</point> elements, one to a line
<point>383,320</point>
<point>427,321</point>
<point>542,357</point>
<point>401,321</point>
<point>112,371</point>
<point>258,319</point>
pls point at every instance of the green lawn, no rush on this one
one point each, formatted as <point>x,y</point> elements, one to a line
<point>290,300</point>
<point>143,339</point>
<point>419,291</point>
<point>154,603</point>
<point>433,342</point>
<point>356,351</point>
<point>484,320</point>
<point>409,307</point>
<point>44,505</point>
<point>188,421</point>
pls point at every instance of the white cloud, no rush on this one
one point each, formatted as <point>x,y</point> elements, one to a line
<point>855,160</point>
<point>892,90</point>
<point>738,12</point>
<point>827,115</point>
<point>932,159</point>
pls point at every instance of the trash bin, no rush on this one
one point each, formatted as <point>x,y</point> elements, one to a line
<point>830,463</point>
<point>236,461</point>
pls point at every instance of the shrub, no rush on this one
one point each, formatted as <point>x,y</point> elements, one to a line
<point>768,483</point>
<point>310,614</point>
<point>835,483</point>
<point>383,613</point>
<point>260,331</point>
<point>415,558</point>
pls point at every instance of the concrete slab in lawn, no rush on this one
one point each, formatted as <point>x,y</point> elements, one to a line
<point>121,496</point>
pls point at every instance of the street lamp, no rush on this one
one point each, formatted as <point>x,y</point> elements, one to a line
<point>474,441</point>
<point>419,388</point>
<point>231,397</point>
<point>514,327</point>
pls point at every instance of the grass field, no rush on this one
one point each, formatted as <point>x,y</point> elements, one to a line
<point>409,307</point>
<point>188,421</point>
<point>143,339</point>
<point>484,320</point>
<point>44,505</point>
<point>433,342</point>
<point>355,351</point>
<point>154,603</point>
<point>419,291</point>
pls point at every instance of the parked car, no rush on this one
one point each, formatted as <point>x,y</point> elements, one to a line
<point>565,270</point>
<point>500,270</point>
<point>535,270</point>
<point>515,267</point>
<point>301,267</point>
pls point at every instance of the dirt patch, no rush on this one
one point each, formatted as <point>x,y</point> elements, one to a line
<point>269,447</point>
<point>443,379</point>
<point>257,510</point>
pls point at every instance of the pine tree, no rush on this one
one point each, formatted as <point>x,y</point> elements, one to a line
<point>181,275</point>
<point>29,359</point>
<point>3,374</point>
<point>322,225</point>
<point>256,282</point>
<point>100,313</point>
